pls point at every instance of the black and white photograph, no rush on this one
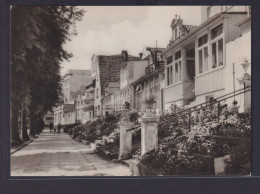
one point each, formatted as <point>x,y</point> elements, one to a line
<point>130,91</point>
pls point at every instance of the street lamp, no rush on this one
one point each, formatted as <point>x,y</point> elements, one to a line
<point>245,65</point>
<point>246,79</point>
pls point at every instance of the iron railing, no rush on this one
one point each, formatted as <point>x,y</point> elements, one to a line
<point>154,67</point>
<point>212,103</point>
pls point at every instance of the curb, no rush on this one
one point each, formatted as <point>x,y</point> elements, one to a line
<point>22,146</point>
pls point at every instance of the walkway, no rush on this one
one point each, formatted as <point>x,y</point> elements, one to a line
<point>59,155</point>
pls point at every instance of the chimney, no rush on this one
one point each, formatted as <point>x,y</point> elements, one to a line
<point>125,55</point>
<point>140,56</point>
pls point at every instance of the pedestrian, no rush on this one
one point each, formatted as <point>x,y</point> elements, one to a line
<point>51,127</point>
<point>59,127</point>
<point>55,130</point>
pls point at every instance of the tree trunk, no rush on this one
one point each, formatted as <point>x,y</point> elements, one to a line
<point>15,137</point>
<point>32,124</point>
<point>25,136</point>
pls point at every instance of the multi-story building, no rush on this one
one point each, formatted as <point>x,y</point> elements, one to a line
<point>105,69</point>
<point>74,83</point>
<point>238,72</point>
<point>130,71</point>
<point>69,115</point>
<point>196,56</point>
<point>59,114</point>
<point>85,105</point>
<point>151,82</point>
<point>109,98</point>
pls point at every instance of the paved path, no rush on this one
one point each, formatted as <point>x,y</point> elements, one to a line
<point>59,155</point>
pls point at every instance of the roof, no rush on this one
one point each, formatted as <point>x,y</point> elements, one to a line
<point>76,71</point>
<point>204,24</point>
<point>192,32</point>
<point>188,28</point>
<point>109,69</point>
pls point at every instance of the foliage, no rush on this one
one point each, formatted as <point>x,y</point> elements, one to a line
<point>186,164</point>
<point>240,160</point>
<point>38,34</point>
<point>69,127</point>
<point>133,115</point>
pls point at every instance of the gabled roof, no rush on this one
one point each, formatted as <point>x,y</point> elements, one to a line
<point>192,32</point>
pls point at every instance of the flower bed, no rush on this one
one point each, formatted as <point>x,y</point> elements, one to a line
<point>194,155</point>
<point>111,141</point>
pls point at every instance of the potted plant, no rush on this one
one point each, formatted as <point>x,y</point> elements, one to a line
<point>150,101</point>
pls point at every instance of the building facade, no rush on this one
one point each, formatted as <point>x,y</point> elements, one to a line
<point>105,69</point>
<point>109,99</point>
<point>238,72</point>
<point>130,71</point>
<point>151,82</point>
<point>74,82</point>
<point>85,105</point>
<point>195,61</point>
<point>63,114</point>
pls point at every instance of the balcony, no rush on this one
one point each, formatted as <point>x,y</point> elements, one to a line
<point>153,67</point>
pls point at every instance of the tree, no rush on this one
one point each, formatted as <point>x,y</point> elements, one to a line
<point>38,34</point>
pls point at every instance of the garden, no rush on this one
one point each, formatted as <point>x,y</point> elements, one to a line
<point>181,151</point>
<point>184,152</point>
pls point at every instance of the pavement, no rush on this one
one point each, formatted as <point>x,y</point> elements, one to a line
<point>59,155</point>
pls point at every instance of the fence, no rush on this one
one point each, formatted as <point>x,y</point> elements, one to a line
<point>214,107</point>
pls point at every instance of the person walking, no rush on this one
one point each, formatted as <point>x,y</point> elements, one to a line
<point>51,127</point>
<point>59,128</point>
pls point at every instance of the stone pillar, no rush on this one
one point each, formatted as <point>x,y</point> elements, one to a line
<point>125,138</point>
<point>149,132</point>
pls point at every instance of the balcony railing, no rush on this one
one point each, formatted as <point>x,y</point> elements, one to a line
<point>153,67</point>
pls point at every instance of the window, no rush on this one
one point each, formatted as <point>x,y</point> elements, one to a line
<point>216,31</point>
<point>169,60</point>
<point>217,53</point>
<point>174,70</point>
<point>203,53</point>
<point>220,52</point>
<point>177,72</point>
<point>205,59</point>
<point>203,40</point>
<point>200,62</point>
<point>210,50</point>
<point>169,75</point>
<point>177,55</point>
<point>214,55</point>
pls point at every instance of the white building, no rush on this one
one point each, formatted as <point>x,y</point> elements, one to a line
<point>196,58</point>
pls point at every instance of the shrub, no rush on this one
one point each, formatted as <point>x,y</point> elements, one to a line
<point>66,128</point>
<point>240,162</point>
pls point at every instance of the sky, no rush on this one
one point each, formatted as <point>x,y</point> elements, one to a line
<point>107,30</point>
